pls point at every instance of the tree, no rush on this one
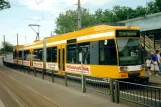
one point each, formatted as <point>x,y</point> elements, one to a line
<point>158,4</point>
<point>109,16</point>
<point>4,4</point>
<point>8,47</point>
<point>87,18</point>
<point>152,8</point>
<point>140,11</point>
<point>99,17</point>
<point>104,16</point>
<point>123,13</point>
<point>67,22</point>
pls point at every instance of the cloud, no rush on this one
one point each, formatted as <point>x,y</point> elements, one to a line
<point>98,2</point>
<point>54,5</point>
<point>36,18</point>
<point>46,5</point>
<point>90,2</point>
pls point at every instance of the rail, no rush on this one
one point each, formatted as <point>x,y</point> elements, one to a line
<point>96,84</point>
<point>145,95</point>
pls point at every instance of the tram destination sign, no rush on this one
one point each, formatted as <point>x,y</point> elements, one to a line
<point>127,33</point>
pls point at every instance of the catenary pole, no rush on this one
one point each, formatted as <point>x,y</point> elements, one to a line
<point>79,15</point>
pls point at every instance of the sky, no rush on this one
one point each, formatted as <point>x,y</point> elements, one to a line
<point>44,13</point>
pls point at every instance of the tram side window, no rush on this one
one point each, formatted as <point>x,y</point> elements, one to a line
<point>52,54</point>
<point>38,55</point>
<point>49,55</point>
<point>20,55</point>
<point>107,52</point>
<point>71,53</point>
<point>14,54</point>
<point>27,55</point>
<point>85,49</point>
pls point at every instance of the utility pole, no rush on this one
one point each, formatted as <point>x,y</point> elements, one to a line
<point>17,38</point>
<point>51,34</point>
<point>146,8</point>
<point>127,14</point>
<point>4,44</point>
<point>79,15</point>
<point>25,40</point>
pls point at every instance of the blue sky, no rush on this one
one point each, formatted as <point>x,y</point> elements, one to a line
<point>44,12</point>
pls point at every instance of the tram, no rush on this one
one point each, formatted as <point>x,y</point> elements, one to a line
<point>108,52</point>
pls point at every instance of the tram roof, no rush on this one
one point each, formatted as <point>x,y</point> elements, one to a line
<point>18,46</point>
<point>85,31</point>
<point>90,30</point>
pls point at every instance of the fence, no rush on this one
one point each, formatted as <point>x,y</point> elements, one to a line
<point>100,85</point>
<point>141,94</point>
<point>118,90</point>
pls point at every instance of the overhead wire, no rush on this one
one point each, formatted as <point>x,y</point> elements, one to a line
<point>42,11</point>
<point>38,2</point>
<point>46,18</point>
<point>86,18</point>
<point>69,24</point>
<point>15,5</point>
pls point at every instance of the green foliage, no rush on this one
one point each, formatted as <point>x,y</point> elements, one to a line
<point>8,47</point>
<point>67,22</point>
<point>140,11</point>
<point>87,19</point>
<point>152,8</point>
<point>158,4</point>
<point>4,4</point>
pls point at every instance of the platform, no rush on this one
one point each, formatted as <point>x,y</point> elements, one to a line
<point>154,79</point>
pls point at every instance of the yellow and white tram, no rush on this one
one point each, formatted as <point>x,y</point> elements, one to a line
<point>108,51</point>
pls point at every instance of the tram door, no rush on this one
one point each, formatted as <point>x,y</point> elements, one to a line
<point>31,57</point>
<point>61,58</point>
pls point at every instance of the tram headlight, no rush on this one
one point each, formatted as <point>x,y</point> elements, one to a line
<point>142,67</point>
<point>123,69</point>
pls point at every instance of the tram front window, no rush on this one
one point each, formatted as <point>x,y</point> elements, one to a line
<point>129,51</point>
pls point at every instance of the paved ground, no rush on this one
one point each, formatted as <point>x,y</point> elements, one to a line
<point>1,104</point>
<point>14,94</point>
<point>58,94</point>
<point>154,79</point>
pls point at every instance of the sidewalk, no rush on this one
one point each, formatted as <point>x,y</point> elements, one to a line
<point>153,78</point>
<point>59,94</point>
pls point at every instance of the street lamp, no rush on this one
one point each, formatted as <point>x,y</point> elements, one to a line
<point>37,32</point>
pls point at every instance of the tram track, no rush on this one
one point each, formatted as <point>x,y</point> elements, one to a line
<point>23,95</point>
<point>16,99</point>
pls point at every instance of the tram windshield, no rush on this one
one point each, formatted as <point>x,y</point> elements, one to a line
<point>130,52</point>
